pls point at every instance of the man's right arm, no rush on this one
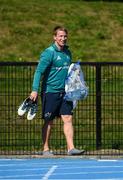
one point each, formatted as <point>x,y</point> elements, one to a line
<point>45,61</point>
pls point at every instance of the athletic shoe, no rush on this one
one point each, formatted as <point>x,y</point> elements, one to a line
<point>47,153</point>
<point>32,110</point>
<point>24,107</point>
<point>75,152</point>
<point>44,153</point>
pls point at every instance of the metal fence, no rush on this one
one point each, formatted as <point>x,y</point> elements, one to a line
<point>97,120</point>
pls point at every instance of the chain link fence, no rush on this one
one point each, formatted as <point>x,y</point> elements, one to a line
<point>97,120</point>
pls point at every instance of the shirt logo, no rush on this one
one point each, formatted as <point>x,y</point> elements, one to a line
<point>65,63</point>
<point>58,58</point>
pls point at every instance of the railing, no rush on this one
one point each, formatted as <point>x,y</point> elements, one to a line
<point>97,120</point>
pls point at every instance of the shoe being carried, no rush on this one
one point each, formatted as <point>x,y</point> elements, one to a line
<point>32,110</point>
<point>24,107</point>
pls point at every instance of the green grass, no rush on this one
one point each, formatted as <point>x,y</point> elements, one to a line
<point>95,28</point>
<point>95,34</point>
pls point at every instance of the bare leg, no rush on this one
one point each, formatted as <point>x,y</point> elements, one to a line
<point>46,129</point>
<point>68,130</point>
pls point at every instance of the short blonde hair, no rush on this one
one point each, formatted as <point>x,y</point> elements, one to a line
<point>59,28</point>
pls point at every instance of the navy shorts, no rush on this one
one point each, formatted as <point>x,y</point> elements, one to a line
<point>54,105</point>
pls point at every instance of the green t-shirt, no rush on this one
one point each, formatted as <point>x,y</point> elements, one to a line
<point>52,68</point>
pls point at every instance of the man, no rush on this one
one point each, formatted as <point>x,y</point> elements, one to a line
<point>53,68</point>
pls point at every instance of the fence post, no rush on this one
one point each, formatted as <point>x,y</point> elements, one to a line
<point>98,106</point>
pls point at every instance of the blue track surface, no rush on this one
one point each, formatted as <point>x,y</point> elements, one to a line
<point>61,168</point>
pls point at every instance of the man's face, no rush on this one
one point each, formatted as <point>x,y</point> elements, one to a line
<point>60,38</point>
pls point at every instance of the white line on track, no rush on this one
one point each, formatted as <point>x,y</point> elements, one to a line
<point>88,172</point>
<point>18,176</point>
<point>46,176</point>
<point>48,163</point>
<point>49,173</point>
<point>92,179</point>
<point>3,159</point>
<point>62,168</point>
<point>107,160</point>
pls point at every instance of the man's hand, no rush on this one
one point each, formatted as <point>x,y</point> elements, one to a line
<point>33,95</point>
